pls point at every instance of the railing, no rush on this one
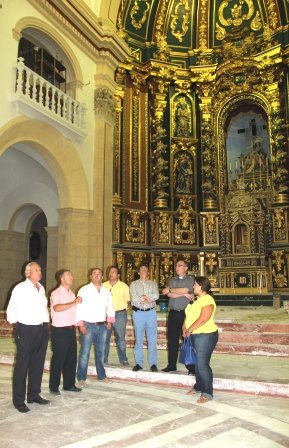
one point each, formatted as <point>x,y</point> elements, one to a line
<point>47,97</point>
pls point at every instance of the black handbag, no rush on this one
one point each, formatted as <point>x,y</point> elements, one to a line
<point>187,352</point>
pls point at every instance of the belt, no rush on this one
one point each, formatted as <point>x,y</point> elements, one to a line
<point>31,325</point>
<point>96,323</point>
<point>177,311</point>
<point>70,327</point>
<point>121,311</point>
<point>139,309</point>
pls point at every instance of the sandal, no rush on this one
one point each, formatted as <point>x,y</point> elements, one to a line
<point>202,399</point>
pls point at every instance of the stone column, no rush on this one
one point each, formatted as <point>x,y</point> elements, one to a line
<point>104,107</point>
<point>74,243</point>
<point>52,253</point>
<point>13,249</point>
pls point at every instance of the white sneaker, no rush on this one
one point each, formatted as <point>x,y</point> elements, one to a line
<point>81,384</point>
<point>106,380</point>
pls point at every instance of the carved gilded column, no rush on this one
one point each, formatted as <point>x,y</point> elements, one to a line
<point>119,96</point>
<point>209,153</point>
<point>272,76</point>
<point>160,174</point>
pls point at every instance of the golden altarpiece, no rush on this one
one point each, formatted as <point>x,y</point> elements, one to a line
<point>201,142</point>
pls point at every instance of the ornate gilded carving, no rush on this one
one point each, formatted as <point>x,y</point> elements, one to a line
<point>116,227</point>
<point>163,51</point>
<point>209,185</point>
<point>163,228</point>
<point>152,267</point>
<point>120,20</point>
<point>139,13</point>
<point>160,164</point>
<point>182,116</point>
<point>129,273</point>
<point>134,227</point>
<point>272,14</point>
<point>279,269</point>
<point>166,268</point>
<point>185,223</point>
<point>161,17</point>
<point>211,229</point>
<point>211,268</point>
<point>203,25</point>
<point>181,14</point>
<point>138,258</point>
<point>278,153</point>
<point>280,225</point>
<point>183,173</point>
<point>234,16</point>
<point>119,259</point>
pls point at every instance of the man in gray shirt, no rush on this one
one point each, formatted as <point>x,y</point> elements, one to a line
<point>144,293</point>
<point>180,293</point>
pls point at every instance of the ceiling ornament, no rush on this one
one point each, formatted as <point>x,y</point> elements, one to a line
<point>181,13</point>
<point>140,8</point>
<point>237,14</point>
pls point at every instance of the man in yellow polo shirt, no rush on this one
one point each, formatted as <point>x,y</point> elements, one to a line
<point>120,297</point>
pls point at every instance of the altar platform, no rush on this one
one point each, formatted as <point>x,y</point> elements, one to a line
<point>252,354</point>
<point>152,410</point>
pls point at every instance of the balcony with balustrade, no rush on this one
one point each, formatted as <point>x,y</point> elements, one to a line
<point>36,97</point>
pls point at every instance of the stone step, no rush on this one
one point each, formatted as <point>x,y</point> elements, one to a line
<point>265,339</point>
<point>254,328</point>
<point>253,349</point>
<point>254,338</point>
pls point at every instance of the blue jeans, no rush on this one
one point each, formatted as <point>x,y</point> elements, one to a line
<point>119,329</point>
<point>96,335</point>
<point>145,322</point>
<point>204,345</point>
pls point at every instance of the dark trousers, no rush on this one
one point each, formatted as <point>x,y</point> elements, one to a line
<point>175,323</point>
<point>64,357</point>
<point>31,344</point>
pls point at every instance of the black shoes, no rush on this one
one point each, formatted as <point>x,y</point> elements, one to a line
<point>38,400</point>
<point>22,408</point>
<point>55,392</point>
<point>169,369</point>
<point>153,368</point>
<point>136,368</point>
<point>73,389</point>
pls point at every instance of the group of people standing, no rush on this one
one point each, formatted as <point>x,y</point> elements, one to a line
<point>98,310</point>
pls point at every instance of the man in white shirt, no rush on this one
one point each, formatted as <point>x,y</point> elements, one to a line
<point>27,309</point>
<point>93,316</point>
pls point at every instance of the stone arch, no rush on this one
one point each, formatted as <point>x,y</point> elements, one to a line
<point>39,25</point>
<point>56,150</point>
<point>21,219</point>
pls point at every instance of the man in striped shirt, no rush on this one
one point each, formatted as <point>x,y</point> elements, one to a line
<point>63,337</point>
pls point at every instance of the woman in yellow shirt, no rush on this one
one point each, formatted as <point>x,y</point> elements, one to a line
<point>200,326</point>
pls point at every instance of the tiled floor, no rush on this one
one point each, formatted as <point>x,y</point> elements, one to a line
<point>129,414</point>
<point>144,409</point>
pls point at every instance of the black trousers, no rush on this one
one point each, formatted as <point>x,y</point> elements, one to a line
<point>31,345</point>
<point>175,323</point>
<point>64,357</point>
